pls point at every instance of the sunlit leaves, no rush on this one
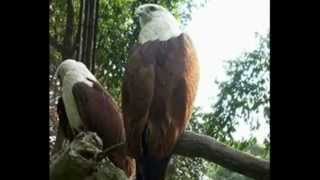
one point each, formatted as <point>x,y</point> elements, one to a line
<point>244,95</point>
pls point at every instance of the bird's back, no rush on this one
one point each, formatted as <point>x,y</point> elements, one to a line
<point>167,98</point>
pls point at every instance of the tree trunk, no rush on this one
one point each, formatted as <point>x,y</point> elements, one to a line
<point>78,34</point>
<point>68,38</point>
<point>95,31</point>
<point>81,46</point>
<point>87,33</point>
<point>88,29</point>
<point>80,30</point>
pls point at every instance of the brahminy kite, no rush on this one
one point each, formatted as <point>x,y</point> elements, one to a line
<point>159,89</point>
<point>88,107</point>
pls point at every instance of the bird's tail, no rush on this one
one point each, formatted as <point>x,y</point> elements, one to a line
<point>149,167</point>
<point>152,168</point>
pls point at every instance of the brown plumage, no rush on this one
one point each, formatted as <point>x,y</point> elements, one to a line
<point>158,92</point>
<point>100,114</point>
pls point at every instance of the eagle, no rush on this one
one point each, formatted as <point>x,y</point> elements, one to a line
<point>159,88</point>
<point>86,106</point>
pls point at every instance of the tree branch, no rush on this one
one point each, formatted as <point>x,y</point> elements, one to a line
<point>196,145</point>
<point>78,158</point>
<point>77,161</point>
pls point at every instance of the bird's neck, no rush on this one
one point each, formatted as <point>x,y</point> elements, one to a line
<point>159,29</point>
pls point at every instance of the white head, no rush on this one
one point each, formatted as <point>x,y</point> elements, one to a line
<point>70,65</point>
<point>156,23</point>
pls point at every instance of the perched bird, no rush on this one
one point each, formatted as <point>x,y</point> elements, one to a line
<point>86,106</point>
<point>158,92</point>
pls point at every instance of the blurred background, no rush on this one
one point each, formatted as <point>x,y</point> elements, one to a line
<point>232,41</point>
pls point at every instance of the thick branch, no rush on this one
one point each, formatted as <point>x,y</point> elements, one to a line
<point>79,158</point>
<point>77,161</point>
<point>195,145</point>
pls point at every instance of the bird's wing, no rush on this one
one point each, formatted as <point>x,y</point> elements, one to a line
<point>177,76</point>
<point>137,93</point>
<point>158,92</point>
<point>99,112</point>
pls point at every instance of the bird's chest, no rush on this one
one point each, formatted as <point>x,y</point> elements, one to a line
<point>70,103</point>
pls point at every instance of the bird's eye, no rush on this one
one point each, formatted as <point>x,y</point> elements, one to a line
<point>152,8</point>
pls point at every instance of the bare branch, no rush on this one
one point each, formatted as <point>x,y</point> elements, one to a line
<point>196,145</point>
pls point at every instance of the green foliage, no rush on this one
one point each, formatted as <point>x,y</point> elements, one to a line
<point>117,32</point>
<point>196,168</point>
<point>187,168</point>
<point>113,43</point>
<point>219,173</point>
<point>244,96</point>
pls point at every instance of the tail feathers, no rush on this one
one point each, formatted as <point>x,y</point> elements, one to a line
<point>149,167</point>
<point>152,169</point>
